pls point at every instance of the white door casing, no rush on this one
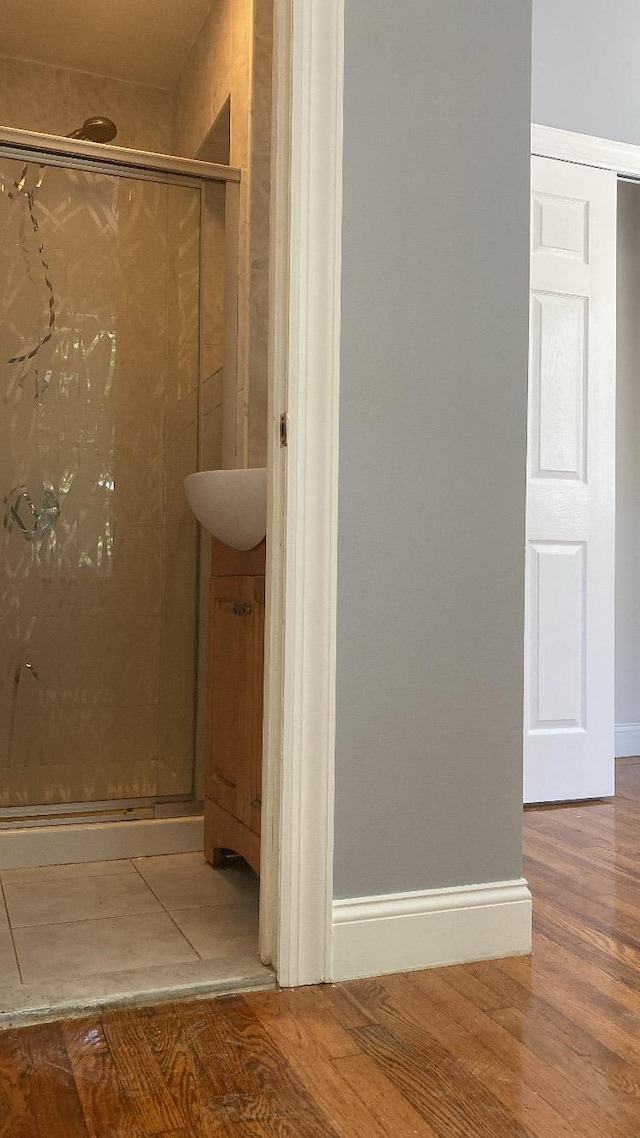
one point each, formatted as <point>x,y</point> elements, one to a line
<point>570,559</point>
<point>305,274</point>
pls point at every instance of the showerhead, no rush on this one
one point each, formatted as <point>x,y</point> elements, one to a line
<point>98,129</point>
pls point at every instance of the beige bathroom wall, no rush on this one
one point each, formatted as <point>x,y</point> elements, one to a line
<point>230,68</point>
<point>35,96</point>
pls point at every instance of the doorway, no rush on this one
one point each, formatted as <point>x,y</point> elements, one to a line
<point>296,882</point>
<point>578,569</point>
<point>129,313</point>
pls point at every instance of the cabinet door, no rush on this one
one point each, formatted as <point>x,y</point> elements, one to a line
<point>232,650</point>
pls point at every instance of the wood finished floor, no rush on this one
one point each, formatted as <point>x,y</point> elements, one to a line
<point>545,1047</point>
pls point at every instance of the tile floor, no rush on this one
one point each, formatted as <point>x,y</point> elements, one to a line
<point>116,929</point>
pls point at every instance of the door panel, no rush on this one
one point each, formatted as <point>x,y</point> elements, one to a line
<point>569,664</point>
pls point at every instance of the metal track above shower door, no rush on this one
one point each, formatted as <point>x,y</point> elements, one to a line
<point>30,145</point>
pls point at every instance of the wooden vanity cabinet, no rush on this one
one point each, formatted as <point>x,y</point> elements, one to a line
<point>233,778</point>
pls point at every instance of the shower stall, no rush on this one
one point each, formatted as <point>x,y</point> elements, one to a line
<point>105,344</point>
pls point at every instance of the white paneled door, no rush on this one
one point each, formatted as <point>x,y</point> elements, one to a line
<point>569,662</point>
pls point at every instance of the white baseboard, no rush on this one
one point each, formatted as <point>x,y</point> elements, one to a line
<point>402,932</point>
<point>627,740</point>
<point>99,841</point>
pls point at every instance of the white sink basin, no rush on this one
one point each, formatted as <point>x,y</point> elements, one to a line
<point>230,504</point>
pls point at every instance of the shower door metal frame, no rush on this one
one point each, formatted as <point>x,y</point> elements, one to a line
<point>52,146</point>
<point>50,150</point>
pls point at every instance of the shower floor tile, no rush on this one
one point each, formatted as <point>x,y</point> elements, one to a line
<point>80,936</point>
<point>78,899</point>
<point>221,930</point>
<point>110,945</point>
<point>185,881</point>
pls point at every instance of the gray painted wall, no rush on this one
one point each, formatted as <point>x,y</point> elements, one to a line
<point>586,66</point>
<point>432,444</point>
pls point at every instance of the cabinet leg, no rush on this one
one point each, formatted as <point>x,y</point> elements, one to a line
<point>225,836</point>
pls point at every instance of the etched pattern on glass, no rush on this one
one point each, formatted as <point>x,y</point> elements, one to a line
<point>90,483</point>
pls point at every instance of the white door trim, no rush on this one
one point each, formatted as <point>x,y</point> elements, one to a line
<point>585,149</point>
<point>297,844</point>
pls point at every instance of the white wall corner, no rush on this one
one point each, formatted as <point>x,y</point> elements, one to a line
<point>627,740</point>
<point>402,932</point>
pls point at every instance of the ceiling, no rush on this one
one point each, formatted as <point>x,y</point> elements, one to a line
<point>145,41</point>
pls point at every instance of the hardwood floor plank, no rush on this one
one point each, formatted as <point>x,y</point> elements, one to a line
<point>108,1109</point>
<point>585,1006</point>
<point>437,1087</point>
<point>611,915</point>
<point>613,1085</point>
<point>270,1091</point>
<point>609,953</point>
<point>549,956</point>
<point>51,1089</point>
<point>460,997</point>
<point>185,1075</point>
<point>613,867</point>
<point>138,1069</point>
<point>503,1080</point>
<point>427,1068</point>
<point>348,1116</point>
<point>328,1016</point>
<point>551,841</point>
<point>381,1097</point>
<point>16,1118</point>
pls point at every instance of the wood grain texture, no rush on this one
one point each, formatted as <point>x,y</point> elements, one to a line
<point>543,1047</point>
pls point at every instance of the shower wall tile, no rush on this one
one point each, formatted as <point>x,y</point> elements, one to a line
<point>107,659</point>
<point>233,59</point>
<point>180,413</point>
<point>131,586</point>
<point>259,222</point>
<point>179,561</point>
<point>36,96</point>
<point>142,114</point>
<point>204,84</point>
<point>213,392</point>
<point>263,19</point>
<point>212,357</point>
<point>211,445</point>
<point>180,460</point>
<point>116,749</point>
<point>177,685</point>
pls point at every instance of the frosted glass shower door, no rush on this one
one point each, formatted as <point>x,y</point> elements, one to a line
<point>99,364</point>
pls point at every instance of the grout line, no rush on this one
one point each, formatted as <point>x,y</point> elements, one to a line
<point>73,876</point>
<point>170,915</point>
<point>88,920</point>
<point>13,939</point>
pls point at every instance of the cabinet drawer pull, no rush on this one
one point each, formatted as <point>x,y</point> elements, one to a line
<point>257,802</point>
<point>241,608</point>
